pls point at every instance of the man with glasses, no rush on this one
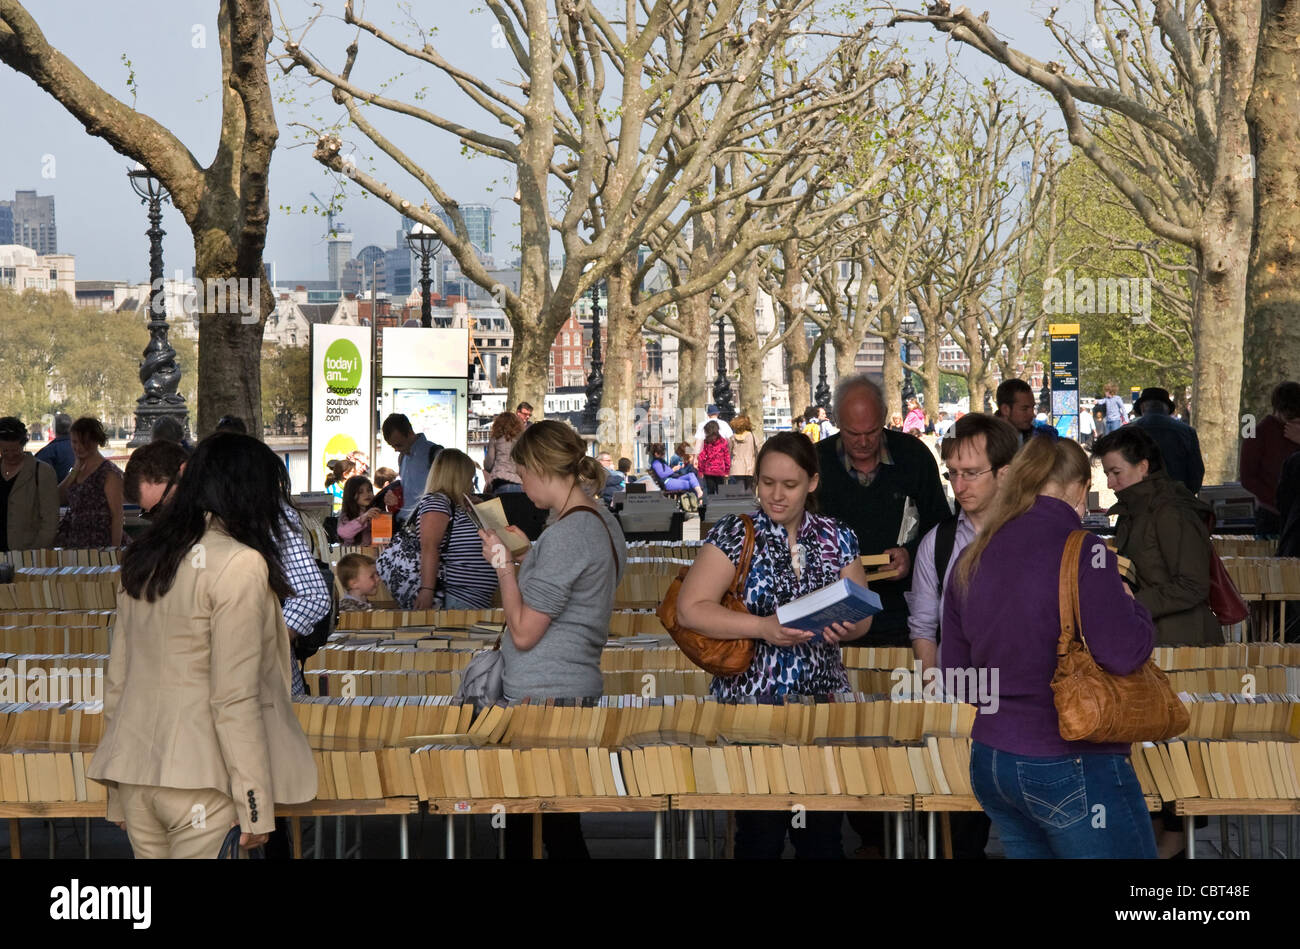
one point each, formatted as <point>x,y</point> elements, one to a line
<point>885,485</point>
<point>977,451</point>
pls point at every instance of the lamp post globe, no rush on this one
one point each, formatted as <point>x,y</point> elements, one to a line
<point>423,240</point>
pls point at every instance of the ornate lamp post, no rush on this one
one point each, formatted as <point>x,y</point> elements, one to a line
<point>908,391</point>
<point>722,385</point>
<point>822,395</point>
<point>424,242</point>
<point>595,378</point>
<point>159,374</point>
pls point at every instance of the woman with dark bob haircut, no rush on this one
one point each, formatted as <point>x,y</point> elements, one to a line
<point>197,708</point>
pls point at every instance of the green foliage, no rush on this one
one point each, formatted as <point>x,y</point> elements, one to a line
<point>1114,347</point>
<point>58,357</point>
<point>286,387</point>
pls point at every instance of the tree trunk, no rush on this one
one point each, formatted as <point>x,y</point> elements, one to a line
<point>892,373</point>
<point>528,361</point>
<point>933,375</point>
<point>692,362</point>
<point>846,357</point>
<point>1271,344</point>
<point>800,366</point>
<point>749,362</point>
<point>622,363</point>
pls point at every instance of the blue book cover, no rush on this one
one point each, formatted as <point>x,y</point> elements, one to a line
<point>842,602</point>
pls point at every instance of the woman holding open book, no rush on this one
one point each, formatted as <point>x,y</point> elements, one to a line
<point>1047,796</point>
<point>558,607</point>
<point>198,719</point>
<point>796,552</point>
<point>434,560</point>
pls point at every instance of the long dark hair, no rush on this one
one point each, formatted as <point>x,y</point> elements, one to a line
<point>243,485</point>
<point>351,509</point>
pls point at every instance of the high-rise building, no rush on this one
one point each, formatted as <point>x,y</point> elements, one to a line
<point>373,271</point>
<point>478,222</point>
<point>339,249</point>
<point>29,222</point>
<point>397,269</point>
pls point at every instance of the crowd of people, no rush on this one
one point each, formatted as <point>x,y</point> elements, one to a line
<point>973,590</point>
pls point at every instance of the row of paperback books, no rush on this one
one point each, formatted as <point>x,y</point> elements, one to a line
<point>60,593</point>
<point>1221,770</point>
<point>61,557</point>
<point>55,640</point>
<point>39,776</point>
<point>1276,576</point>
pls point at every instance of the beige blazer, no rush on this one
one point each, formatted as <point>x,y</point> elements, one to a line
<point>197,692</point>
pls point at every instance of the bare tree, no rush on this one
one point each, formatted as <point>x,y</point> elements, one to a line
<point>1172,85</point>
<point>224,203</point>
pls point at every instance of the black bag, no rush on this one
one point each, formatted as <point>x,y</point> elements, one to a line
<point>306,646</point>
<point>230,848</point>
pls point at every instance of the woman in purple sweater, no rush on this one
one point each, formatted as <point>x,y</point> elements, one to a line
<point>1048,797</point>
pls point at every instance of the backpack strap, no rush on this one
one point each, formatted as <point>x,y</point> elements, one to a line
<point>945,538</point>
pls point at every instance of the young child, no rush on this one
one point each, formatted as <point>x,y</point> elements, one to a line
<point>715,458</point>
<point>355,513</point>
<point>389,497</point>
<point>360,581</point>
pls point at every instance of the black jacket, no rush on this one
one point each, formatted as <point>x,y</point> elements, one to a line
<point>1180,448</point>
<point>876,513</point>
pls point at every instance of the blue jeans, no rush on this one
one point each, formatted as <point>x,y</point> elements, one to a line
<point>1114,424</point>
<point>452,602</point>
<point>1071,806</point>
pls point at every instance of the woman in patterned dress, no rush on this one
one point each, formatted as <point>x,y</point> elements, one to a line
<point>92,492</point>
<point>796,551</point>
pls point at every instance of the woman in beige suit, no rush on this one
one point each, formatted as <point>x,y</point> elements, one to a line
<point>200,732</point>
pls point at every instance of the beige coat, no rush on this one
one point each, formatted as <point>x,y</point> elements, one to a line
<point>743,453</point>
<point>33,507</point>
<point>198,689</point>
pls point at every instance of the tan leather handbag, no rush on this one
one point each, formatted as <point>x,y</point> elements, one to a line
<point>721,657</point>
<point>1092,704</point>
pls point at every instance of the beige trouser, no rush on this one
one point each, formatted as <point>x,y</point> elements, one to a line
<point>177,823</point>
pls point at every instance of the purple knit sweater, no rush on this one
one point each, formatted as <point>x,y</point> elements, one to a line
<point>1009,620</point>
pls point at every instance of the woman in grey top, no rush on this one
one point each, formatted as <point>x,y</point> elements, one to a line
<point>558,606</point>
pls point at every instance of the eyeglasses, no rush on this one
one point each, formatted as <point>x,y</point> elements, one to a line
<point>951,476</point>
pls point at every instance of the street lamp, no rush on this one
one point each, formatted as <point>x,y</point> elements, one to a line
<point>595,378</point>
<point>423,240</point>
<point>908,391</point>
<point>823,394</point>
<point>159,374</point>
<point>722,385</point>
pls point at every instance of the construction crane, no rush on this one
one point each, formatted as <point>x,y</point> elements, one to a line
<point>329,212</point>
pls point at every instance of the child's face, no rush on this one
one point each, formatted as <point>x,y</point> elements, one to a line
<point>366,583</point>
<point>365,496</point>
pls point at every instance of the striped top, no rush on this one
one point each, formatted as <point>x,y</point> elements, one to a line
<point>462,571</point>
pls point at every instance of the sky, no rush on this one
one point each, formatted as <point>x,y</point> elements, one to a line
<point>172,51</point>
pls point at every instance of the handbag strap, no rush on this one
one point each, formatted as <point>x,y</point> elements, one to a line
<point>1068,593</point>
<point>746,555</point>
<point>608,535</point>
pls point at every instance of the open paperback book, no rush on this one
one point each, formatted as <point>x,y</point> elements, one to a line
<point>489,515</point>
<point>842,602</point>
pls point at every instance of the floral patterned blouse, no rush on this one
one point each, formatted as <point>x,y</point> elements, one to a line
<point>811,668</point>
<point>88,522</point>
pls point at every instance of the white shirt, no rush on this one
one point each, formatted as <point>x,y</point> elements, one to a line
<point>723,429</point>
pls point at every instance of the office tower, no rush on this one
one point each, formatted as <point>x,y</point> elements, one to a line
<point>30,222</point>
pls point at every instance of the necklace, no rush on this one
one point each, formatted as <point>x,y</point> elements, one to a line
<point>8,472</point>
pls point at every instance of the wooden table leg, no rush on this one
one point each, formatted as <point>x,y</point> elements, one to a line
<point>537,837</point>
<point>15,839</point>
<point>945,829</point>
<point>296,824</point>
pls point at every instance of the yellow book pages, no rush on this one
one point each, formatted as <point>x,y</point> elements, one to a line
<point>1167,762</point>
<point>342,780</point>
<point>880,756</point>
<point>1184,778</point>
<point>703,767</point>
<point>939,768</point>
<point>356,781</point>
<point>680,768</point>
<point>370,776</point>
<point>683,754</point>
<point>1281,782</point>
<point>1284,749</point>
<point>1239,761</point>
<point>324,777</point>
<point>523,765</point>
<point>851,767</point>
<point>649,777</point>
<point>489,766</point>
<point>542,772</point>
<point>831,771</point>
<point>602,774</point>
<point>1257,761</point>
<point>721,777</point>
<point>562,773</point>
<point>628,764</point>
<point>1292,751</point>
<point>582,772</point>
<point>1156,768</point>
<point>95,792</point>
<point>958,783</point>
<point>735,769</point>
<point>810,765</point>
<point>747,765</point>
<point>901,769</point>
<point>1217,771</point>
<point>1195,754</point>
<point>473,771</point>
<point>794,769</point>
<point>918,767</point>
<point>761,781</point>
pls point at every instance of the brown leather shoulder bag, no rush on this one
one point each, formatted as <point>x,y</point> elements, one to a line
<point>1092,704</point>
<point>721,657</point>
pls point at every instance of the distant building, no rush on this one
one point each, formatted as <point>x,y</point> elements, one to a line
<point>397,270</point>
<point>22,268</point>
<point>339,251</point>
<point>478,223</point>
<point>28,220</point>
